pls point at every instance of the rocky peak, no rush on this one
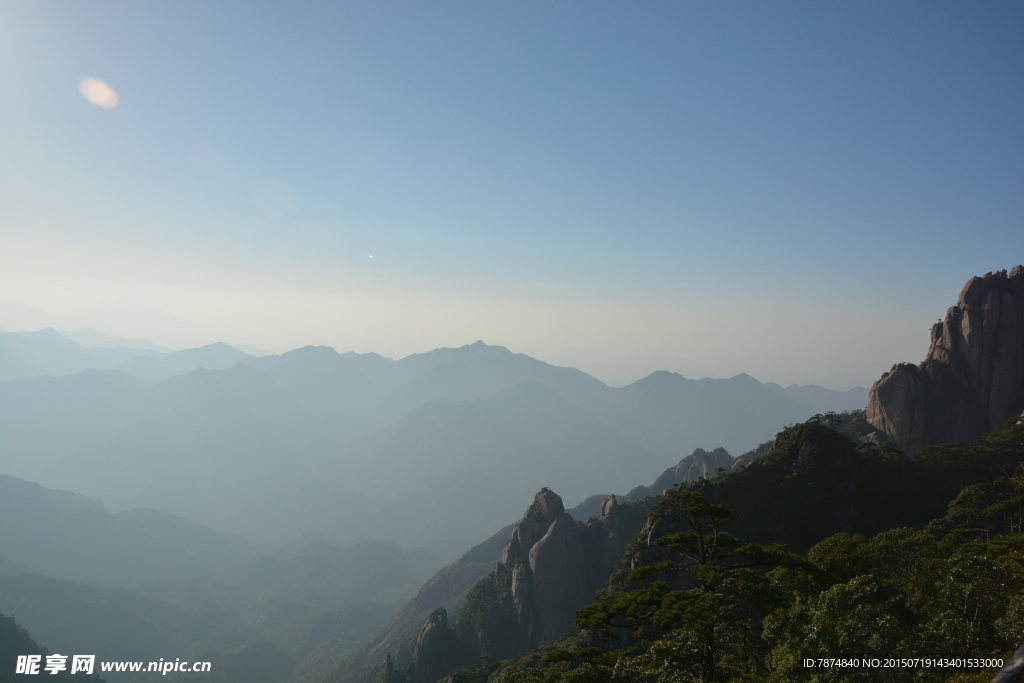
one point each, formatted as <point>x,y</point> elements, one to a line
<point>609,505</point>
<point>436,651</point>
<point>556,564</point>
<point>700,463</point>
<point>546,508</point>
<point>972,378</point>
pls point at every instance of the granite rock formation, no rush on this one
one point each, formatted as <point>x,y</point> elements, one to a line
<point>550,567</point>
<point>437,649</point>
<point>545,556</point>
<point>972,378</point>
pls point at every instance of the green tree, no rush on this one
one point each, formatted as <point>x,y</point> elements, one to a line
<point>702,600</point>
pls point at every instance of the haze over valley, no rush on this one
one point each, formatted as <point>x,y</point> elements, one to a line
<point>317,443</point>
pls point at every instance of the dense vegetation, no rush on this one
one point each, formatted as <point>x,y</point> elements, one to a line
<point>694,602</point>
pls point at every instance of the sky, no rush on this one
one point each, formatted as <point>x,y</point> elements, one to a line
<point>792,190</point>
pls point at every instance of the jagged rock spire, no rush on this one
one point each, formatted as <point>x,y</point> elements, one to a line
<point>546,508</point>
<point>437,649</point>
<point>609,505</point>
<point>549,569</point>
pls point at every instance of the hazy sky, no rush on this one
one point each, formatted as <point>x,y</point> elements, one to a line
<point>793,190</point>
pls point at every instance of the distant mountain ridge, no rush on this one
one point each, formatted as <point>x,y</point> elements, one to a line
<point>823,399</point>
<point>48,353</point>
<point>226,435</point>
<point>92,350</point>
<point>90,338</point>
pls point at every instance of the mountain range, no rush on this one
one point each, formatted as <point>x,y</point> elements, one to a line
<point>264,446</point>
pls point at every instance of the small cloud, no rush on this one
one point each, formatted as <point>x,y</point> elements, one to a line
<point>272,197</point>
<point>99,93</point>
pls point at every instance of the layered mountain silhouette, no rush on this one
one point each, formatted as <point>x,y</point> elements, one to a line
<point>224,438</point>
<point>144,584</point>
<point>90,338</point>
<point>48,353</point>
<point>303,608</point>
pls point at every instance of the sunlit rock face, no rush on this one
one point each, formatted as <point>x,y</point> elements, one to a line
<point>559,578</point>
<point>549,570</point>
<point>972,378</point>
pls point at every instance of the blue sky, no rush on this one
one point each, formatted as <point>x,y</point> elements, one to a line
<point>793,190</point>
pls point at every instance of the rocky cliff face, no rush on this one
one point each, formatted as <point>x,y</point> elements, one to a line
<point>972,378</point>
<point>550,567</point>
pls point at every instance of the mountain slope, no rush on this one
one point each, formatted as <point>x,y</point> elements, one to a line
<point>70,536</point>
<point>527,436</point>
<point>16,642</point>
<point>447,587</point>
<point>310,604</point>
